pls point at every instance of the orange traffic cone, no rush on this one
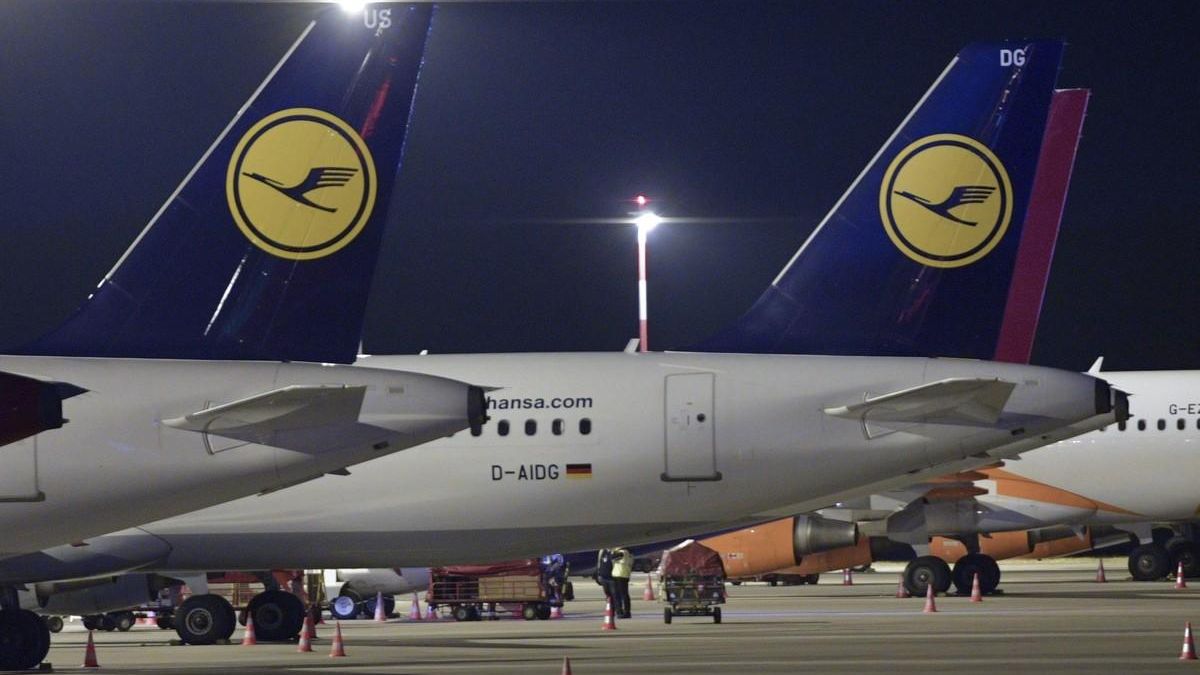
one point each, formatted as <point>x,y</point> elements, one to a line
<point>1100,573</point>
<point>901,589</point>
<point>414,612</point>
<point>89,654</point>
<point>1180,582</point>
<point>305,644</point>
<point>609,623</point>
<point>847,577</point>
<point>338,648</point>
<point>976,593</point>
<point>930,605</point>
<point>556,612</point>
<point>1189,646</point>
<point>248,639</point>
<point>648,594</point>
<point>431,614</point>
<point>566,666</point>
<point>380,615</point>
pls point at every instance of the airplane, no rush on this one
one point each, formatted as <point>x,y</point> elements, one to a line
<point>585,449</point>
<point>183,368</point>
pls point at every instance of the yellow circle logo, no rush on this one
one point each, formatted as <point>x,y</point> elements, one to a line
<point>946,200</point>
<point>301,184</point>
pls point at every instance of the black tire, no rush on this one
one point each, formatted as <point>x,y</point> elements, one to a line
<point>24,639</point>
<point>716,615</point>
<point>1187,552</point>
<point>92,622</point>
<point>1149,562</point>
<point>923,571</point>
<point>346,606</point>
<point>812,579</point>
<point>971,564</point>
<point>108,623</point>
<point>389,606</point>
<point>666,615</point>
<point>123,621</point>
<point>204,620</point>
<point>543,612</point>
<point>165,622</point>
<point>54,623</point>
<point>461,613</point>
<point>772,582</point>
<point>278,616</point>
<point>529,611</point>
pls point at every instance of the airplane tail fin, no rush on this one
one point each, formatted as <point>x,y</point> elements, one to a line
<point>267,248</point>
<point>918,256</point>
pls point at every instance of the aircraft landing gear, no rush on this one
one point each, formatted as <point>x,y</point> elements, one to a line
<point>923,571</point>
<point>1149,562</point>
<point>24,639</point>
<point>1186,551</point>
<point>204,620</point>
<point>972,563</point>
<point>278,616</point>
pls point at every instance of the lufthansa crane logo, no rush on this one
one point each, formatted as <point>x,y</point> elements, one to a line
<point>301,184</point>
<point>946,200</point>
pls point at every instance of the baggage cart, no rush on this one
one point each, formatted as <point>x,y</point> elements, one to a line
<point>693,582</point>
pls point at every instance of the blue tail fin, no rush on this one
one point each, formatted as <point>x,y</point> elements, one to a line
<point>267,248</point>
<point>918,255</point>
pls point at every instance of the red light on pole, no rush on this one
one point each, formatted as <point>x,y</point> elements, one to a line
<point>641,201</point>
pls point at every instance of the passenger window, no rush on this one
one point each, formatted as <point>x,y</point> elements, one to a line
<point>1121,425</point>
<point>1180,424</point>
<point>556,427</point>
<point>1162,424</point>
<point>502,427</point>
<point>585,426</point>
<point>530,427</point>
<point>1141,425</point>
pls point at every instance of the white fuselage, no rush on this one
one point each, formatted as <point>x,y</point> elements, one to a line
<point>114,464</point>
<point>759,436</point>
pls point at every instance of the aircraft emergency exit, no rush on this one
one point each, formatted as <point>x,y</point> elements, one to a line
<point>589,449</point>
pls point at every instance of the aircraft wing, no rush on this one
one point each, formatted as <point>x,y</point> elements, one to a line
<point>955,400</point>
<point>30,405</point>
<point>306,418</point>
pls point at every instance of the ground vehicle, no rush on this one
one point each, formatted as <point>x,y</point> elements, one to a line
<point>469,590</point>
<point>693,581</point>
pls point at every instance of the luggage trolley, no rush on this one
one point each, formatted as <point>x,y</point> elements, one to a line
<point>469,590</point>
<point>693,582</point>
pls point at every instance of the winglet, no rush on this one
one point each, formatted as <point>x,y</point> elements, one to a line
<point>1095,369</point>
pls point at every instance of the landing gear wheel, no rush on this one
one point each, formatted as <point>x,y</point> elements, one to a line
<point>345,606</point>
<point>923,571</point>
<point>92,621</point>
<point>123,621</point>
<point>204,619</point>
<point>972,563</point>
<point>666,615</point>
<point>278,615</point>
<point>389,605</point>
<point>716,615</point>
<point>1187,552</point>
<point>24,639</point>
<point>54,623</point>
<point>461,613</point>
<point>1149,562</point>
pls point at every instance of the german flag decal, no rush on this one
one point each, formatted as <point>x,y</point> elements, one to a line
<point>579,471</point>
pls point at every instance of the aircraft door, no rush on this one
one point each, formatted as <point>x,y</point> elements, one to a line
<point>690,448</point>
<point>18,472</point>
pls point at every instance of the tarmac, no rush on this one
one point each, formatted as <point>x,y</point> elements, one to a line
<point>1051,617</point>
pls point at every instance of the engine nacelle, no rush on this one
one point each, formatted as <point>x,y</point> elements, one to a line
<point>814,534</point>
<point>97,596</point>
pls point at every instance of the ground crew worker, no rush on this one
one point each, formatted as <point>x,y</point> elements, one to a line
<point>604,574</point>
<point>621,570</point>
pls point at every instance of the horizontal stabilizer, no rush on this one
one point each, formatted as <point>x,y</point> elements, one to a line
<point>950,401</point>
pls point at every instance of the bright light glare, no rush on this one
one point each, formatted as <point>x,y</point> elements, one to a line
<point>647,221</point>
<point>641,200</point>
<point>352,6</point>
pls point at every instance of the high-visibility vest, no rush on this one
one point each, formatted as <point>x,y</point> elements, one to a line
<point>622,564</point>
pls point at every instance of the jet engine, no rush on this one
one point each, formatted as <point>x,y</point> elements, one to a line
<point>96,596</point>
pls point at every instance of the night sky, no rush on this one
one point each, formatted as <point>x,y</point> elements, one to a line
<point>535,123</point>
